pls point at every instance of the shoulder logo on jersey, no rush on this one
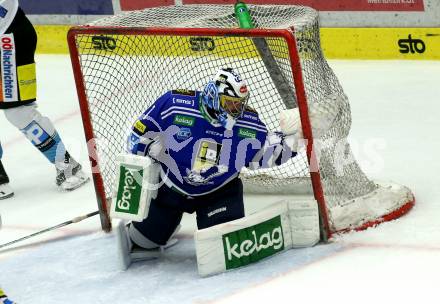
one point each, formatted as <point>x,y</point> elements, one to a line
<point>184,134</point>
<point>184,120</point>
<point>183,92</point>
<point>139,126</point>
<point>208,155</point>
<point>246,133</point>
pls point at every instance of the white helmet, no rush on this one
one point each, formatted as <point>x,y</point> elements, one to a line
<point>226,95</point>
<point>230,83</point>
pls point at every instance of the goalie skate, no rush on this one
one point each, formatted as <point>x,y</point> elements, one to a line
<point>5,190</point>
<point>69,174</point>
<point>130,253</point>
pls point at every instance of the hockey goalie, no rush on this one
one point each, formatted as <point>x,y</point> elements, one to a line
<point>200,141</point>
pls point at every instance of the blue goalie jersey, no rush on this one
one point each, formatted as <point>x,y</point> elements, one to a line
<point>197,155</point>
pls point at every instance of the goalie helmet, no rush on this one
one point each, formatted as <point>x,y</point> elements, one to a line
<point>225,97</point>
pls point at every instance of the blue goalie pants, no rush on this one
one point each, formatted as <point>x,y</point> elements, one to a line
<point>165,214</point>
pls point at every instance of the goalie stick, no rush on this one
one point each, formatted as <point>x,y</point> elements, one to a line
<point>72,221</point>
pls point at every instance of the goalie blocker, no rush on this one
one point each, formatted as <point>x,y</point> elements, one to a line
<point>281,226</point>
<point>136,184</point>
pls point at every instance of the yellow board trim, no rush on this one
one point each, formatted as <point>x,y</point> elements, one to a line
<point>381,43</point>
<point>52,39</point>
<point>337,43</point>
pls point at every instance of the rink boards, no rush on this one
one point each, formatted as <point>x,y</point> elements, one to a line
<point>337,43</point>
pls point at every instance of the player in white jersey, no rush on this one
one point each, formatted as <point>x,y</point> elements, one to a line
<point>18,41</point>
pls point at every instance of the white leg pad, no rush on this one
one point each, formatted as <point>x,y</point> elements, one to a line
<point>304,223</point>
<point>279,227</point>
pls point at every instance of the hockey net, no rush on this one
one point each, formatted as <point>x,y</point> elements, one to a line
<point>123,63</point>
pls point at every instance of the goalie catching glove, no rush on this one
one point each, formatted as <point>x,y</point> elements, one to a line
<point>322,115</point>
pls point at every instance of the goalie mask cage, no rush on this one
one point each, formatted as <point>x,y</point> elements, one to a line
<point>124,62</point>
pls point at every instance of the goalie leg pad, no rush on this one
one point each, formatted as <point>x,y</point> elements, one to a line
<point>282,226</point>
<point>124,245</point>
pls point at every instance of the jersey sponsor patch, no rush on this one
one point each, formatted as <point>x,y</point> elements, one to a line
<point>184,120</point>
<point>246,133</point>
<point>184,134</point>
<point>208,155</point>
<point>214,133</point>
<point>183,92</point>
<point>27,81</point>
<point>250,116</point>
<point>9,92</point>
<point>189,102</point>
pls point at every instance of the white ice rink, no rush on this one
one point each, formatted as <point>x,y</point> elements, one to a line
<point>395,108</point>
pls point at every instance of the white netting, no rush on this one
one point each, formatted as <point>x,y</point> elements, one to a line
<point>123,74</point>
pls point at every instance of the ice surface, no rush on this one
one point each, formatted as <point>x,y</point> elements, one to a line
<point>395,108</point>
